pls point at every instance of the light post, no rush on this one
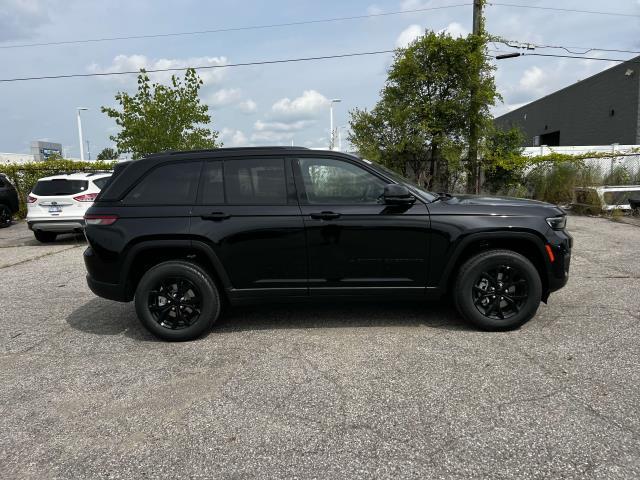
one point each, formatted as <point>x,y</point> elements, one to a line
<point>79,109</point>
<point>332,133</point>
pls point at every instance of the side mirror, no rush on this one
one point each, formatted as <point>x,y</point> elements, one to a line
<point>397,195</point>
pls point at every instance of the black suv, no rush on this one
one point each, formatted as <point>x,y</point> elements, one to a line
<point>8,201</point>
<point>184,233</point>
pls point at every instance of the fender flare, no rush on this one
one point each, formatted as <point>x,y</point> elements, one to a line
<point>532,238</point>
<point>185,243</point>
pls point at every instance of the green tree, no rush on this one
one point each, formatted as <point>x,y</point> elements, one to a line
<point>423,116</point>
<point>502,159</point>
<point>162,117</point>
<point>107,154</point>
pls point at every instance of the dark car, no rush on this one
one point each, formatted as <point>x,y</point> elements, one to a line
<point>185,233</point>
<point>9,204</point>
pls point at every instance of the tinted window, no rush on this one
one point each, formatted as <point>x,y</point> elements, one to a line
<point>59,186</point>
<point>212,185</point>
<point>255,181</point>
<point>173,184</point>
<point>101,182</point>
<point>331,181</point>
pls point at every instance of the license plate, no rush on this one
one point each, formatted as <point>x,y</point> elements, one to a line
<point>55,209</point>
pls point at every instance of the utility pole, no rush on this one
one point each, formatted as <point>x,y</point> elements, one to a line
<point>81,142</point>
<point>88,151</point>
<point>473,182</point>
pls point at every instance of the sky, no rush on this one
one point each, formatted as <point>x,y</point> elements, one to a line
<point>268,104</point>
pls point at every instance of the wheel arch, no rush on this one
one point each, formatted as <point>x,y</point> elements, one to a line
<point>147,253</point>
<point>529,245</point>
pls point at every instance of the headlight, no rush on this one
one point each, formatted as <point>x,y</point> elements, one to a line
<point>557,223</point>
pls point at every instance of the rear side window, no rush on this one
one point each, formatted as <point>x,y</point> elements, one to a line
<point>212,185</point>
<point>173,184</point>
<point>101,182</point>
<point>259,181</point>
<point>59,186</point>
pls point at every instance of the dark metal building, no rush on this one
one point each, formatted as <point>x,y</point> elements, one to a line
<point>600,110</point>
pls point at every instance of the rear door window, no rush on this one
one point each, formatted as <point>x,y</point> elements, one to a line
<point>212,185</point>
<point>255,181</point>
<point>172,184</point>
<point>101,182</point>
<point>59,186</point>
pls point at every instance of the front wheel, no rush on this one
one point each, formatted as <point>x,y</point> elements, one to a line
<point>177,301</point>
<point>498,290</point>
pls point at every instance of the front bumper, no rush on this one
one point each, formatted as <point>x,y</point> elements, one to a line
<point>561,244</point>
<point>62,225</point>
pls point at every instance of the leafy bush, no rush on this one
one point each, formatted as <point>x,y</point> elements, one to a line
<point>24,176</point>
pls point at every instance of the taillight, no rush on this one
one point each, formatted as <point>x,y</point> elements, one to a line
<point>87,197</point>
<point>31,199</point>
<point>100,219</point>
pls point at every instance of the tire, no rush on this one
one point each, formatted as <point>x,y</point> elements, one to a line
<point>5,216</point>
<point>498,290</point>
<point>45,237</point>
<point>177,301</point>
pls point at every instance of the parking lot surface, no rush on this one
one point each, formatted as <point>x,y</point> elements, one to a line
<point>389,390</point>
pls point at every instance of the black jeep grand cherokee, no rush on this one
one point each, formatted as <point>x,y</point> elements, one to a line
<point>183,233</point>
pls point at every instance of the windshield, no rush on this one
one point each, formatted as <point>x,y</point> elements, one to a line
<point>417,189</point>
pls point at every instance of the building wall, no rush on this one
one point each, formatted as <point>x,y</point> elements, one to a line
<point>582,112</point>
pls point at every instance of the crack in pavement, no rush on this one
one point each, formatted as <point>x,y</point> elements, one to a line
<point>48,254</point>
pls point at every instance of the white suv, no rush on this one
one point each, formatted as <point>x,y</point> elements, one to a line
<point>57,204</point>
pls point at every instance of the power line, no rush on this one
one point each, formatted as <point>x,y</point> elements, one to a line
<point>568,49</point>
<point>233,29</point>
<point>557,9</point>
<point>621,60</point>
<point>200,67</point>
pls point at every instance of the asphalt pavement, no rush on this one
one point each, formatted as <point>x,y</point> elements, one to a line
<point>384,390</point>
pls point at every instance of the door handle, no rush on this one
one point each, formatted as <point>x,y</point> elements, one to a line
<point>216,216</point>
<point>325,215</point>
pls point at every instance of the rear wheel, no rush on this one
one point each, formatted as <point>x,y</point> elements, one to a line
<point>45,237</point>
<point>498,290</point>
<point>177,301</point>
<point>5,216</point>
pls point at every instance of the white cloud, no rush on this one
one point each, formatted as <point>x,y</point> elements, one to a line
<point>374,10</point>
<point>262,126</point>
<point>136,62</point>
<point>454,29</point>
<point>278,132</point>
<point>21,18</point>
<point>413,4</point>
<point>303,107</point>
<point>233,138</point>
<point>533,79</point>
<point>408,35</point>
<point>248,106</point>
<point>224,96</point>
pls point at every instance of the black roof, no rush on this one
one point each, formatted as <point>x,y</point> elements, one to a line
<point>224,149</point>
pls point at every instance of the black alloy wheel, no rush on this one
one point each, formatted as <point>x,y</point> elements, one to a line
<point>5,216</point>
<point>177,300</point>
<point>175,303</point>
<point>498,290</point>
<point>500,293</point>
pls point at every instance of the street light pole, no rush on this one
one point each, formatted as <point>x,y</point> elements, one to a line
<point>332,132</point>
<point>79,109</point>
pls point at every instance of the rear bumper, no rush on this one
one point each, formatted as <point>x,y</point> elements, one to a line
<point>110,291</point>
<point>66,225</point>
